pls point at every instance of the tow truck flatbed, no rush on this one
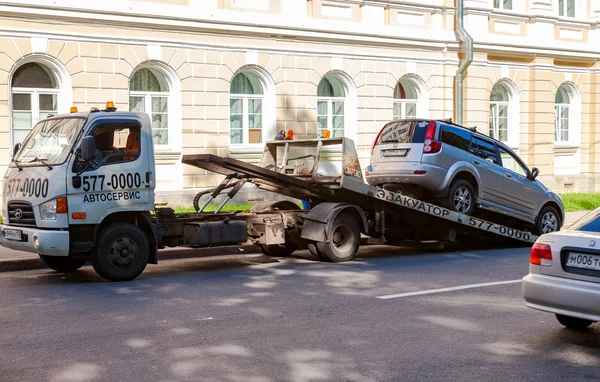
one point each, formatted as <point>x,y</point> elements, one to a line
<point>349,187</point>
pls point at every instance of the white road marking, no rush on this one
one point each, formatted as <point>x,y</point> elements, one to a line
<point>450,289</point>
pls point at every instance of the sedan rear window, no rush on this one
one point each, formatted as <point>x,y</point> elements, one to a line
<point>588,223</point>
<point>404,132</point>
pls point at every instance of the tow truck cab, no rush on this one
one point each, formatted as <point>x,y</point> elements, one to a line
<point>77,177</point>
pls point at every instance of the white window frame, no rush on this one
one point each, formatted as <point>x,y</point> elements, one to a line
<point>174,113</point>
<point>562,11</point>
<point>35,93</point>
<point>330,101</point>
<point>503,6</point>
<point>403,103</point>
<point>558,108</point>
<point>148,110</point>
<point>246,120</point>
<point>495,116</point>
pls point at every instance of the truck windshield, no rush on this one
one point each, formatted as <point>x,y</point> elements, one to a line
<point>49,142</point>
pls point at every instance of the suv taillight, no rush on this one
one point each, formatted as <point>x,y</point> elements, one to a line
<point>377,138</point>
<point>431,146</point>
<point>541,254</point>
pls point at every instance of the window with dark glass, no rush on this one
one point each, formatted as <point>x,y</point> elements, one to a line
<point>456,137</point>
<point>486,150</point>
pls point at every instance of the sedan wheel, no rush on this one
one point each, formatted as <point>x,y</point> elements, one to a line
<point>573,322</point>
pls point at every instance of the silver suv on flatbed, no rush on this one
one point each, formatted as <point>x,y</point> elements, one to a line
<point>462,169</point>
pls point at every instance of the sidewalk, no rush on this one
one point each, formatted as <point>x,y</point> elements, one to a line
<point>11,261</point>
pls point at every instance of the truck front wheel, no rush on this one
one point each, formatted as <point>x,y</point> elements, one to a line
<point>121,252</point>
<point>62,264</point>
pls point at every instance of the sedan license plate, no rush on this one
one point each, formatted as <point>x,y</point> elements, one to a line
<point>395,153</point>
<point>13,234</point>
<point>579,260</point>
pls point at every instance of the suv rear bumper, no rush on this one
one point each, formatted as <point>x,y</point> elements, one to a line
<point>557,295</point>
<point>50,242</point>
<point>433,180</point>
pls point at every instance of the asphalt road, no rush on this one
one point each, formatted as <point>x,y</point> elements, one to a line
<point>255,319</point>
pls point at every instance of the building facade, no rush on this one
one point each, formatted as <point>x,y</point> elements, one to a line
<point>224,76</point>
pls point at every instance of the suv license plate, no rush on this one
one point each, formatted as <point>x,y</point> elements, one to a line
<point>579,260</point>
<point>395,153</point>
<point>13,234</point>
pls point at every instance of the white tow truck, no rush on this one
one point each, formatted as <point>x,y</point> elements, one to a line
<point>81,187</point>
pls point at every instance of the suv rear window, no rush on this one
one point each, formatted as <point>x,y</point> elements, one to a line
<point>404,132</point>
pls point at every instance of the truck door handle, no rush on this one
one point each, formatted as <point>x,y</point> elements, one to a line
<point>476,162</point>
<point>508,175</point>
<point>148,178</point>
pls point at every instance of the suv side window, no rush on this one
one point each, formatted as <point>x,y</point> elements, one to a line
<point>456,137</point>
<point>485,149</point>
<point>511,162</point>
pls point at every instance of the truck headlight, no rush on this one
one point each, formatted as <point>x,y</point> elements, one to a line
<point>48,210</point>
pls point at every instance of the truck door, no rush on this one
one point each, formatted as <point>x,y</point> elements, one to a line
<point>117,179</point>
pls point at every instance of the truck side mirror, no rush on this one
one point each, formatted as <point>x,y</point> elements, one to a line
<point>88,148</point>
<point>16,149</point>
<point>534,173</point>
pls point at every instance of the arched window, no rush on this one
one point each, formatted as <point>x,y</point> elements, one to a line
<point>499,113</point>
<point>35,92</point>
<point>562,110</point>
<point>149,93</point>
<point>331,98</point>
<point>246,110</point>
<point>406,99</point>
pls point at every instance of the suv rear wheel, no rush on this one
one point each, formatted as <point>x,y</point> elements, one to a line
<point>461,197</point>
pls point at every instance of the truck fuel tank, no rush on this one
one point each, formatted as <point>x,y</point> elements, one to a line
<point>204,234</point>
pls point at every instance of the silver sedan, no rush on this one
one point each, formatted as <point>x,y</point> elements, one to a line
<point>564,273</point>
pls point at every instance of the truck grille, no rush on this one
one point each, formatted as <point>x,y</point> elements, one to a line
<point>21,214</point>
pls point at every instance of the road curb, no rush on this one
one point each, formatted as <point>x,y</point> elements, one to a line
<point>14,265</point>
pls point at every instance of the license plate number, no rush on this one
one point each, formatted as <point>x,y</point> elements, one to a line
<point>578,260</point>
<point>395,153</point>
<point>13,234</point>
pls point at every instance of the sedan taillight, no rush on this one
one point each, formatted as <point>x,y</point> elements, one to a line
<point>541,254</point>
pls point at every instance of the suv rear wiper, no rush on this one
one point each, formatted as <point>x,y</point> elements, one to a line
<point>44,161</point>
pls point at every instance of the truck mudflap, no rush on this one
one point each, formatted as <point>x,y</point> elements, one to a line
<point>317,225</point>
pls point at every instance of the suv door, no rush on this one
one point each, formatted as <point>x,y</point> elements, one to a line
<point>520,193</point>
<point>485,158</point>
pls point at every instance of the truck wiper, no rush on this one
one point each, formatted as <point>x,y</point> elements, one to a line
<point>18,163</point>
<point>44,161</point>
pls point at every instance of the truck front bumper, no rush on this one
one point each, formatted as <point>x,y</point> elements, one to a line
<point>36,240</point>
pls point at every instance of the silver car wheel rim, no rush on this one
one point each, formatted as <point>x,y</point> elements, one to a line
<point>549,222</point>
<point>462,200</point>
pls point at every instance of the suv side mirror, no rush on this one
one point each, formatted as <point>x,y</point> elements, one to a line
<point>88,148</point>
<point>534,173</point>
<point>16,149</point>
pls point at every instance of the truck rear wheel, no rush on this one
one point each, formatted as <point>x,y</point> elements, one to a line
<point>121,252</point>
<point>62,264</point>
<point>278,250</point>
<point>312,248</point>
<point>345,239</point>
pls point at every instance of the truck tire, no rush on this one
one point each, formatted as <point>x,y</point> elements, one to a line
<point>547,221</point>
<point>461,197</point>
<point>121,252</point>
<point>62,264</point>
<point>312,248</point>
<point>278,250</point>
<point>345,239</point>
